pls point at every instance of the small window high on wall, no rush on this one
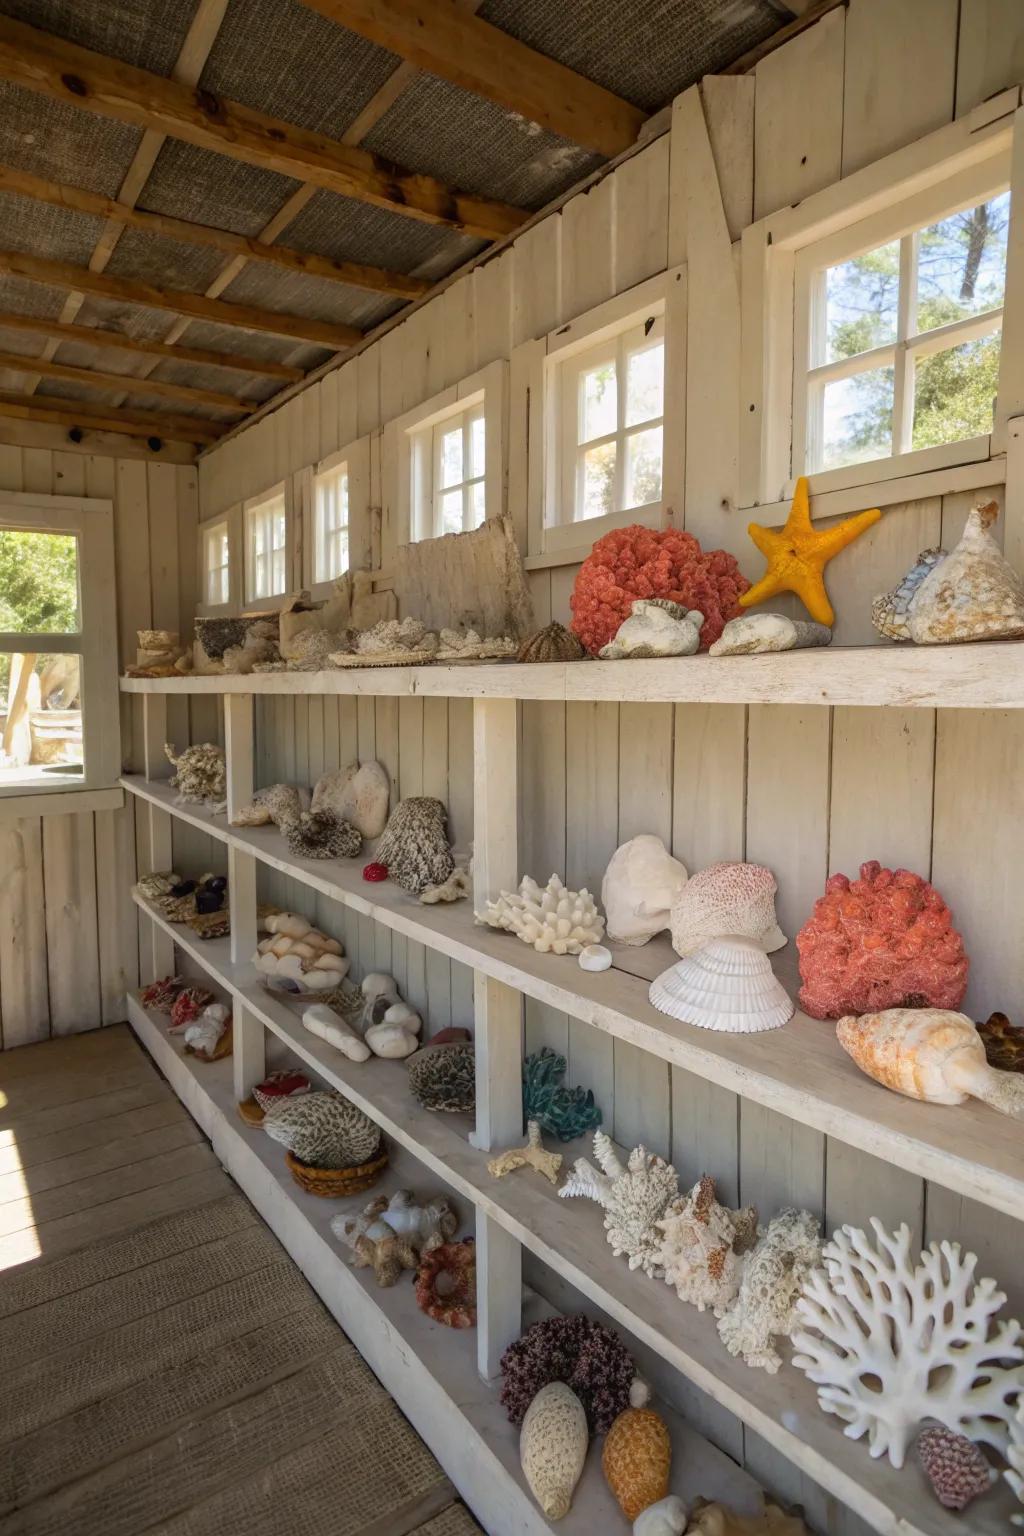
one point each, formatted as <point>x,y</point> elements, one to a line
<point>266,546</point>
<point>216,565</point>
<point>331,523</point>
<point>453,464</point>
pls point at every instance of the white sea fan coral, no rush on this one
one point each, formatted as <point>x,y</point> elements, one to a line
<point>890,1342</point>
<point>773,1277</point>
<point>556,921</point>
<point>1015,1456</point>
<point>633,1198</point>
<point>701,1245</point>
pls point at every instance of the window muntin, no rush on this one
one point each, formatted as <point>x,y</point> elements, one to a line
<point>901,341</point>
<point>612,437</point>
<point>452,493</point>
<point>266,544</point>
<point>331,523</point>
<point>217,565</point>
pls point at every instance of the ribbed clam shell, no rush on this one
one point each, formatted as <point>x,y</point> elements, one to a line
<point>728,985</point>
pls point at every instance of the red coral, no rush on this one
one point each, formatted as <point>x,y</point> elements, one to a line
<point>884,941</point>
<point>641,562</point>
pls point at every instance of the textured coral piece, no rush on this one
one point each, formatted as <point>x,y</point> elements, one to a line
<point>1003,1042</point>
<point>552,643</point>
<point>1015,1456</point>
<point>634,1198</point>
<point>456,888</point>
<point>586,1355</point>
<point>375,872</point>
<point>798,553</point>
<point>555,920</point>
<point>456,1308</point>
<point>160,995</point>
<point>717,1520</point>
<point>638,562</point>
<point>415,844</point>
<point>188,1005</point>
<point>891,1341</point>
<point>324,1130</point>
<point>637,1459</point>
<point>883,941</point>
<point>322,835</point>
<point>562,1112</point>
<point>444,1077</point>
<point>200,775</point>
<point>955,1467</point>
<point>391,1235</point>
<point>532,1155</point>
<point>773,1277</point>
<point>277,803</point>
<point>726,900</point>
<point>553,1447</point>
<point>701,1247</point>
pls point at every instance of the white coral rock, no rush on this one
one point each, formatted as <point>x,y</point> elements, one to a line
<point>553,919</point>
<point>890,1341</point>
<point>639,886</point>
<point>634,1196</point>
<point>358,795</point>
<point>773,1277</point>
<point>655,627</point>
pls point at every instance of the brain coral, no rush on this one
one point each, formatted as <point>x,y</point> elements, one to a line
<point>884,941</point>
<point>640,562</point>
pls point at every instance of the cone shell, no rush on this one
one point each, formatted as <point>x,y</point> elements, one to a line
<point>637,1459</point>
<point>728,986</point>
<point>553,1447</point>
<point>912,1050</point>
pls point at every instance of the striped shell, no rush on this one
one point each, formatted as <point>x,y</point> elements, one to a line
<point>728,986</point>
<point>912,1050</point>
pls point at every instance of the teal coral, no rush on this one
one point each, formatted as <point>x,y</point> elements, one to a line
<point>562,1112</point>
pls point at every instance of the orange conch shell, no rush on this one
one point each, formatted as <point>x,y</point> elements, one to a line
<point>930,1054</point>
<point>637,1456</point>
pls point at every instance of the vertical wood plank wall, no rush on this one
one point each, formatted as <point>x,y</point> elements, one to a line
<point>68,933</point>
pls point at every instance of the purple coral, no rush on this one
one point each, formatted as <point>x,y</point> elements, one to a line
<point>587,1356</point>
<point>955,1467</point>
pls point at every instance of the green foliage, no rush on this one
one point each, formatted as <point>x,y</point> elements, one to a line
<point>38,582</point>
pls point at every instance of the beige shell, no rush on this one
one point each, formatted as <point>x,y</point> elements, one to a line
<point>637,1457</point>
<point>727,986</point>
<point>717,1520</point>
<point>639,886</point>
<point>553,1447</point>
<point>974,594</point>
<point>930,1054</point>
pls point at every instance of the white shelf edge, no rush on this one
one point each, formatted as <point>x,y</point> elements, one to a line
<point>980,675</point>
<point>455,1412</point>
<point>616,1003</point>
<point>570,1240</point>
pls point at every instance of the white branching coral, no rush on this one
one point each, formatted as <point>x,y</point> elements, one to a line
<point>701,1245</point>
<point>553,919</point>
<point>890,1342</point>
<point>1015,1456</point>
<point>633,1197</point>
<point>773,1277</point>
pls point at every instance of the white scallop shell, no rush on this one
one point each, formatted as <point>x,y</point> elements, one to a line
<point>728,985</point>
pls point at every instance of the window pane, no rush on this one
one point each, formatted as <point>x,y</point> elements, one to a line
<point>961,265</point>
<point>44,742</point>
<point>38,582</point>
<point>451,456</point>
<point>598,477</point>
<point>954,392</point>
<point>278,577</point>
<point>477,503</point>
<point>643,467</point>
<point>598,402</point>
<point>279,533</point>
<point>338,559</point>
<point>451,512</point>
<point>861,303</point>
<point>857,419</point>
<point>477,446</point>
<point>645,379</point>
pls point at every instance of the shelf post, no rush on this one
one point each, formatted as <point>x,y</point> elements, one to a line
<point>238,747</point>
<point>498,1015</point>
<point>248,1050</point>
<point>154,848</point>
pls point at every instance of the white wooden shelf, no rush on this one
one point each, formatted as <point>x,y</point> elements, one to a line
<point>570,1239</point>
<point>799,1070</point>
<point>976,676</point>
<point>428,1369</point>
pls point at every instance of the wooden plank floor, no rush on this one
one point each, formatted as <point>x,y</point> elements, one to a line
<point>165,1365</point>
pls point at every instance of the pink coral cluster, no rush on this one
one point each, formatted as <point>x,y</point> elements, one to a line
<point>884,941</point>
<point>640,562</point>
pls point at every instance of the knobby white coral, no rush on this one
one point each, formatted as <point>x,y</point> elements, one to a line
<point>773,1277</point>
<point>890,1342</point>
<point>701,1245</point>
<point>1015,1456</point>
<point>633,1197</point>
<point>553,919</point>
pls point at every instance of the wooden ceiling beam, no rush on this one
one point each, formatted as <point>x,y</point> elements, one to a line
<point>440,37</point>
<point>93,336</point>
<point>64,274</point>
<point>78,77</point>
<point>187,394</point>
<point>355,274</point>
<point>72,413</point>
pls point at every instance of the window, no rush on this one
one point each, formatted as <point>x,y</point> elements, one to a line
<point>331,516</point>
<point>266,547</point>
<point>452,462</point>
<point>216,565</point>
<point>58,646</point>
<point>612,408</point>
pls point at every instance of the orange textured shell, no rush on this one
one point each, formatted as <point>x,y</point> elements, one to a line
<point>637,1459</point>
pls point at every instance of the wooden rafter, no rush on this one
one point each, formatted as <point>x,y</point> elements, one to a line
<point>61,195</point>
<point>79,77</point>
<point>439,36</point>
<point>187,394</point>
<point>93,336</point>
<point>246,317</point>
<point>72,413</point>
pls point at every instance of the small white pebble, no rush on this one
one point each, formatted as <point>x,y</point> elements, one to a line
<point>594,957</point>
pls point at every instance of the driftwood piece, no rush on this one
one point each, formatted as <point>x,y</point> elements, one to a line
<point>466,581</point>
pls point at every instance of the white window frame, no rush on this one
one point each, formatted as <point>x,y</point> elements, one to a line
<point>356,458</point>
<point>409,454</point>
<point>91,520</point>
<point>232,518</point>
<point>276,598</point>
<point>220,530</point>
<point>546,370</point>
<point>957,166</point>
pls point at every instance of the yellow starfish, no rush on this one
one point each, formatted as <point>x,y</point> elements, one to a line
<point>797,555</point>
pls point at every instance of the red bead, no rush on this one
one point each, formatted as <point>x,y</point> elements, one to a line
<point>375,872</point>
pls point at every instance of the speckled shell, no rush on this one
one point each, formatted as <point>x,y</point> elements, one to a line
<point>889,611</point>
<point>912,1050</point>
<point>974,594</point>
<point>553,1447</point>
<point>552,643</point>
<point>727,986</point>
<point>637,1460</point>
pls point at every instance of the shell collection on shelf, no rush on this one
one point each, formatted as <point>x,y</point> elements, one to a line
<point>930,1054</point>
<point>392,1235</point>
<point>553,1445</point>
<point>640,884</point>
<point>633,1197</point>
<point>553,919</point>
